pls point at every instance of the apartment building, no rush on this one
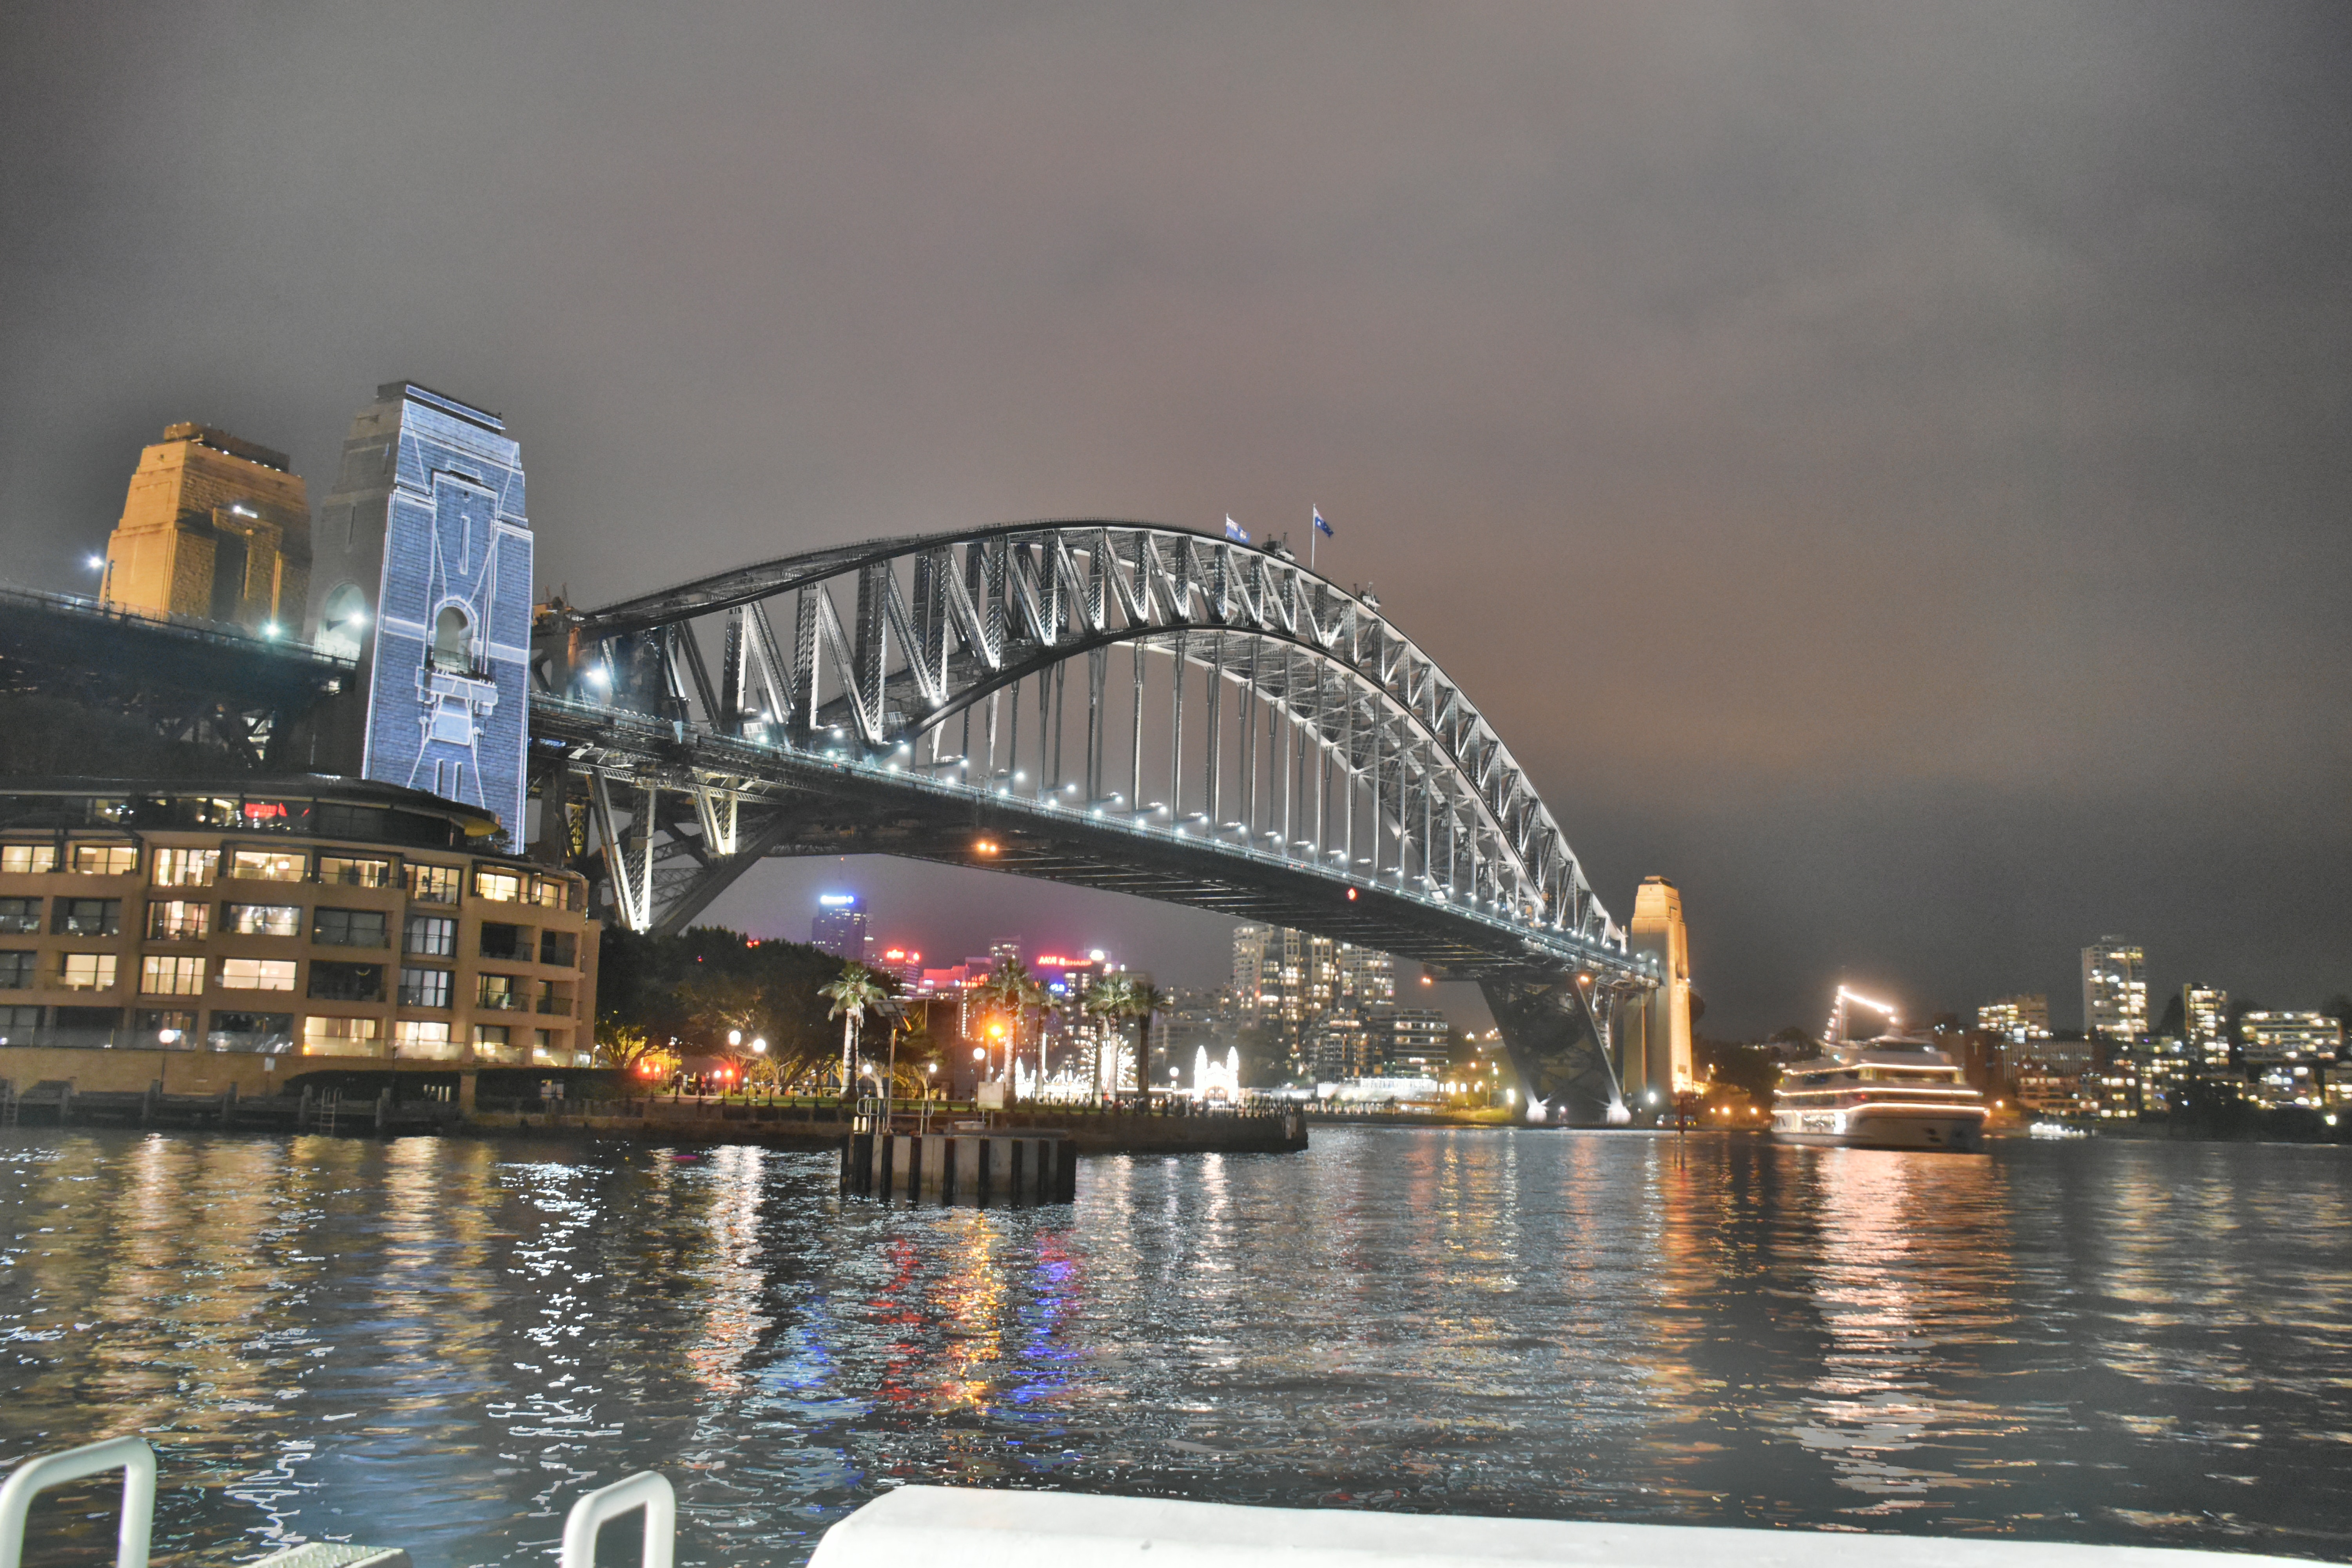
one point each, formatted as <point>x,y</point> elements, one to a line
<point>311,917</point>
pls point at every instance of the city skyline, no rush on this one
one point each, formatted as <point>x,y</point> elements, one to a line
<point>1848,462</point>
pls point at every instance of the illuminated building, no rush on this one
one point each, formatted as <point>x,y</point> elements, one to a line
<point>1341,1047</point>
<point>1286,977</point>
<point>839,927</point>
<point>308,917</point>
<point>2114,991</point>
<point>1418,1044</point>
<point>214,528</point>
<point>2017,1018</point>
<point>2043,1090</point>
<point>2205,1015</point>
<point>421,572</point>
<point>2275,1039</point>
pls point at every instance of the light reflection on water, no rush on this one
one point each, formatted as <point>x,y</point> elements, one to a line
<point>439,1344</point>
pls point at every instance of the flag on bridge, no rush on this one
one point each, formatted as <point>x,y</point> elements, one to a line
<point>1236,532</point>
<point>1322,527</point>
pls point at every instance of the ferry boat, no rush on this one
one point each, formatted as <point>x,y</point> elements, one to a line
<point>1896,1091</point>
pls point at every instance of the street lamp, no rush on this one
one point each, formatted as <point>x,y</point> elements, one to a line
<point>759,1047</point>
<point>734,1037</point>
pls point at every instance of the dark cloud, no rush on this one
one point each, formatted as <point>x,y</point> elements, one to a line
<point>1882,466</point>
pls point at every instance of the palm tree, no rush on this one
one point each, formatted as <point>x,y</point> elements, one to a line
<point>1008,992</point>
<point>1143,999</point>
<point>853,990</point>
<point>1107,1000</point>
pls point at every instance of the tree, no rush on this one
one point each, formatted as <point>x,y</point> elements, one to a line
<point>1143,1000</point>
<point>1106,1002</point>
<point>855,992</point>
<point>1010,992</point>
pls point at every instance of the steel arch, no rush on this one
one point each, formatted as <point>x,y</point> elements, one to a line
<point>943,626</point>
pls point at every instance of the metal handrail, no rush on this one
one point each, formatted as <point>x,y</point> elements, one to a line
<point>131,1456</point>
<point>648,1490</point>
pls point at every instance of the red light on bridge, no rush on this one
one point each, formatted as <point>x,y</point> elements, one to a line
<point>1352,895</point>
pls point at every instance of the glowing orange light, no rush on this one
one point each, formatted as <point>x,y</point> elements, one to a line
<point>1352,895</point>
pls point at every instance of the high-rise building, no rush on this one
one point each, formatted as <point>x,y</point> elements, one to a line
<point>421,572</point>
<point>2114,991</point>
<point>2016,1018</point>
<point>215,528</point>
<point>839,927</point>
<point>1328,1000</point>
<point>2205,1022</point>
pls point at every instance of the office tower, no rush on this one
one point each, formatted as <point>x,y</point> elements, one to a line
<point>2114,991</point>
<point>215,528</point>
<point>839,927</point>
<point>2205,1019</point>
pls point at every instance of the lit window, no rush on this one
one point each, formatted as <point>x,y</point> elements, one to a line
<point>498,887</point>
<point>339,1037</point>
<point>169,919</point>
<point>105,859</point>
<point>163,974</point>
<point>28,859</point>
<point>262,919</point>
<point>423,1038</point>
<point>256,974</point>
<point>493,1043</point>
<point>185,868</point>
<point>86,972</point>
<point>267,865</point>
<point>352,871</point>
<point>501,992</point>
<point>433,884</point>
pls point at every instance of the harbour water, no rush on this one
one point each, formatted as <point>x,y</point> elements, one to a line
<point>439,1344</point>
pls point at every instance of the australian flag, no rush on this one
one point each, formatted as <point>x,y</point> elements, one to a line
<point>1322,527</point>
<point>1236,532</point>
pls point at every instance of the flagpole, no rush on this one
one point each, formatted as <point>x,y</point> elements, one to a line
<point>1312,531</point>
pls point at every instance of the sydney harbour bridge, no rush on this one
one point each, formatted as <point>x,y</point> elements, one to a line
<point>1108,704</point>
<point>1114,705</point>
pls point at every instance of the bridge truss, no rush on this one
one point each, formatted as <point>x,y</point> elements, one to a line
<point>1111,704</point>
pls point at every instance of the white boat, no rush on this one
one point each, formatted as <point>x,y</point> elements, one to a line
<point>1892,1092</point>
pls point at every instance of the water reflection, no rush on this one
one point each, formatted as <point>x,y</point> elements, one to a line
<point>442,1343</point>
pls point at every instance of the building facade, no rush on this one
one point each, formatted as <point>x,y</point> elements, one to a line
<point>216,529</point>
<point>2276,1039</point>
<point>2205,1025</point>
<point>2114,991</point>
<point>2016,1018</point>
<point>312,916</point>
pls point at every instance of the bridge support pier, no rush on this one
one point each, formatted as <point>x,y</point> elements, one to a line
<point>1654,1060</point>
<point>1549,1028</point>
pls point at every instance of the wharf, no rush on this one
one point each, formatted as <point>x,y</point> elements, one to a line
<point>350,1105</point>
<point>829,1123</point>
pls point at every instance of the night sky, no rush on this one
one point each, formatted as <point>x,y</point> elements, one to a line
<point>1885,468</point>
